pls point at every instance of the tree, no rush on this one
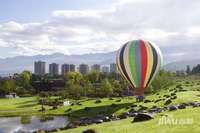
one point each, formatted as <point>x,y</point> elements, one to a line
<point>74,83</point>
<point>162,80</point>
<point>188,70</point>
<point>7,86</point>
<point>106,88</point>
<point>73,78</point>
<point>93,77</point>
<point>196,69</point>
<point>23,82</point>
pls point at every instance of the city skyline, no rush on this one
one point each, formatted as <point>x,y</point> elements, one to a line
<point>56,69</point>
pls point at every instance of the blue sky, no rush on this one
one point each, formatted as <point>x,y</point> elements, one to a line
<point>40,10</point>
<point>32,27</point>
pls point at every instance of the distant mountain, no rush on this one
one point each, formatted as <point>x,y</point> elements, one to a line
<point>181,65</point>
<point>20,63</point>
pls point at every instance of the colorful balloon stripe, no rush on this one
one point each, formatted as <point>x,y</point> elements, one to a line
<point>138,61</point>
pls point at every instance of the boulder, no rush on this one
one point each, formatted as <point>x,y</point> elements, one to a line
<point>102,117</point>
<point>98,121</point>
<point>142,117</point>
<point>181,106</point>
<point>124,115</point>
<point>172,108</point>
<point>155,110</point>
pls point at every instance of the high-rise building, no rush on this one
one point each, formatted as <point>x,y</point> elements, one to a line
<point>68,68</point>
<point>105,69</point>
<point>83,68</point>
<point>72,68</point>
<point>39,68</point>
<point>53,69</point>
<point>65,68</point>
<point>96,67</point>
<point>113,68</point>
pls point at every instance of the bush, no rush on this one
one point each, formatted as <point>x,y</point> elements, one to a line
<point>98,101</point>
<point>89,131</point>
<point>179,86</point>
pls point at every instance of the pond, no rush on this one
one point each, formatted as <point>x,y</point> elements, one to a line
<point>14,124</point>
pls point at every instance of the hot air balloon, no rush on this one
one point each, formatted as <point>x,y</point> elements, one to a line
<point>139,61</point>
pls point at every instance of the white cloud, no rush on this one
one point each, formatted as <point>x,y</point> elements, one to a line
<point>167,23</point>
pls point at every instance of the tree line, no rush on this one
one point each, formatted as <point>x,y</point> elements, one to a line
<point>93,84</point>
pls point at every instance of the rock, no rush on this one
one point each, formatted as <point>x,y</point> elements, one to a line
<point>106,119</point>
<point>172,108</point>
<point>124,115</point>
<point>102,117</point>
<point>194,104</point>
<point>181,106</point>
<point>132,114</point>
<point>155,110</point>
<point>168,102</point>
<point>98,121</point>
<point>113,117</point>
<point>142,117</point>
<point>89,131</point>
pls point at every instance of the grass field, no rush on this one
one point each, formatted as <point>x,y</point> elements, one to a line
<point>29,106</point>
<point>152,126</point>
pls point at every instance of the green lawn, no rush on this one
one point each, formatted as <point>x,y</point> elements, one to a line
<point>152,126</point>
<point>29,106</point>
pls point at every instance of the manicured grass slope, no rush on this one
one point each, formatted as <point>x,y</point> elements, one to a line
<point>152,126</point>
<point>29,106</point>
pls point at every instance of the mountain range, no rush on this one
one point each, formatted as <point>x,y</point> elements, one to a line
<point>20,63</point>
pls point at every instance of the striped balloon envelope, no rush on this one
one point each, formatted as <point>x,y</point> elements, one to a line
<point>138,61</point>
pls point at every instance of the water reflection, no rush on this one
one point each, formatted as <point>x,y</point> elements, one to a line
<point>13,124</point>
